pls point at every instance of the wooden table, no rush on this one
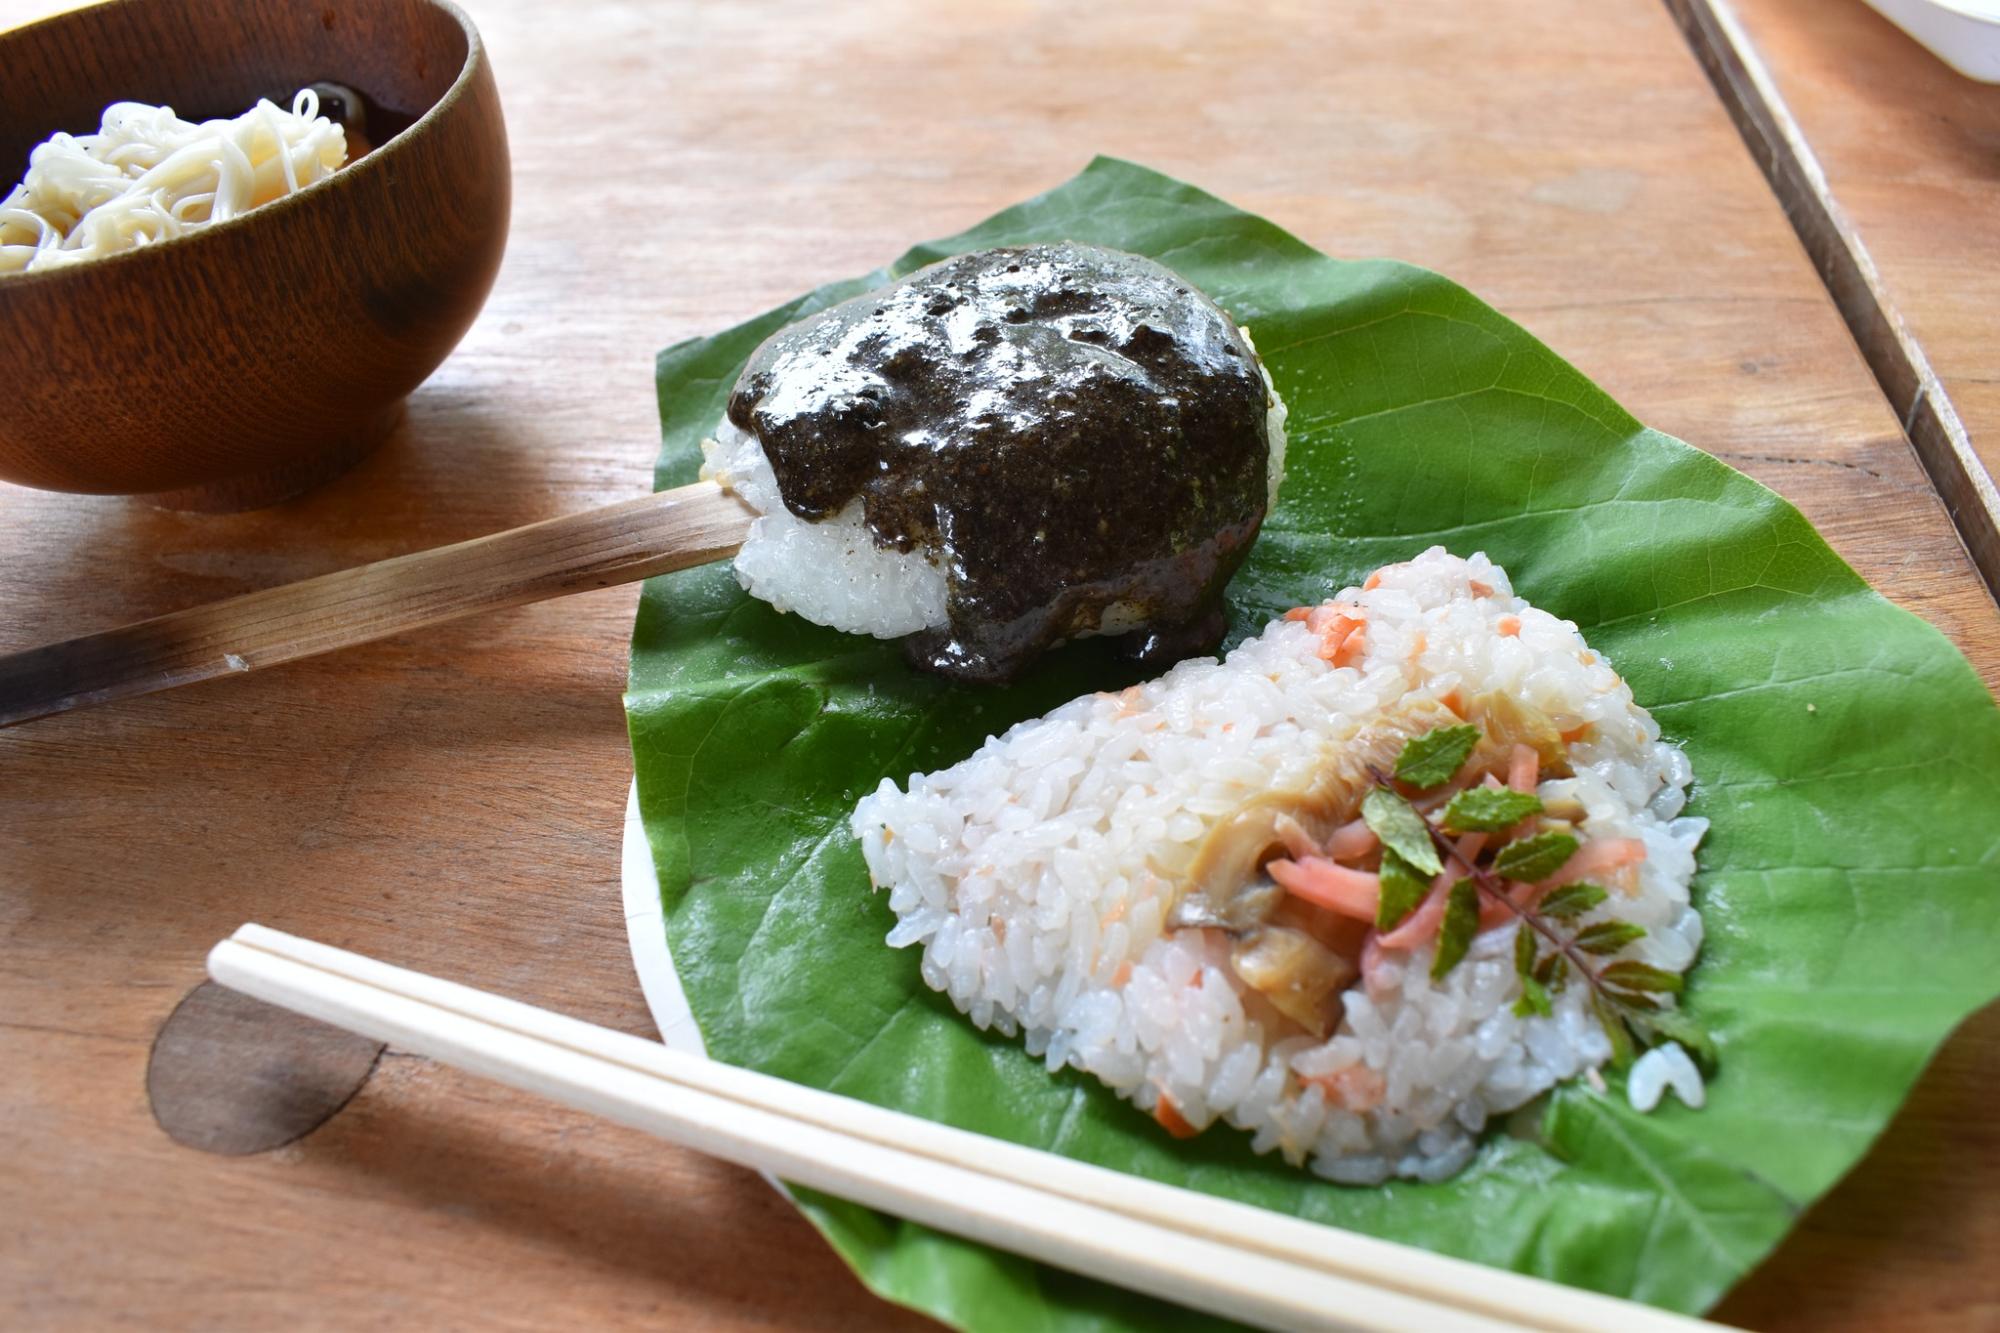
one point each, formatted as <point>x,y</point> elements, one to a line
<point>453,800</point>
<point>1888,162</point>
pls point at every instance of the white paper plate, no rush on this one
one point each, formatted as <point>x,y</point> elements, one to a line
<point>1965,34</point>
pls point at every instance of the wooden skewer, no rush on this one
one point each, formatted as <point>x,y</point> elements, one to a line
<point>1213,1254</point>
<point>575,553</point>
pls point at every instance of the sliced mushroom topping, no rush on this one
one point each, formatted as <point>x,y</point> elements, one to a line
<point>1301,977</point>
<point>1231,859</point>
<point>1239,912</point>
<point>1298,967</point>
<point>1228,867</point>
<point>1505,721</point>
<point>1560,801</point>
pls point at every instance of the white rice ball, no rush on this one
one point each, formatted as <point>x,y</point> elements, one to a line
<point>835,573</point>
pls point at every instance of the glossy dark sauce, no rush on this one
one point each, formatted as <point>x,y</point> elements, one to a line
<point>1066,428</point>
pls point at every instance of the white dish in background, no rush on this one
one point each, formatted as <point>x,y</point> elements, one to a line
<point>1965,34</point>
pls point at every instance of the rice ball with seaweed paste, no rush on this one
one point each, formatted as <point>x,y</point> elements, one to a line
<point>1004,451</point>
<point>1184,890</point>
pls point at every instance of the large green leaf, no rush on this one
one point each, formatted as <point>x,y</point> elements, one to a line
<point>1846,753</point>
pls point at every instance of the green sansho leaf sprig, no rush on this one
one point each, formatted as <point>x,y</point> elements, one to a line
<point>1534,990</point>
<point>1571,900</point>
<point>1431,759</point>
<point>1532,859</point>
<point>1489,809</point>
<point>1403,887</point>
<point>1550,946</point>
<point>1402,830</point>
<point>1461,923</point>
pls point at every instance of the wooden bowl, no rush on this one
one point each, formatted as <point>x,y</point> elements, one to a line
<point>257,357</point>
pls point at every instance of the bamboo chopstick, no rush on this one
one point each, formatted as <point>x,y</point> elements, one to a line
<point>598,548</point>
<point>1213,1254</point>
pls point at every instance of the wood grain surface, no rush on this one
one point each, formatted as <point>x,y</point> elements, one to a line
<point>557,557</point>
<point>451,800</point>
<point>1911,150</point>
<point>1888,163</point>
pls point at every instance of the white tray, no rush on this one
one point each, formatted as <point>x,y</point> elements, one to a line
<point>1965,34</point>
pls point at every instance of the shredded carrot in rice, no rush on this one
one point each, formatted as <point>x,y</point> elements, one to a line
<point>1339,626</point>
<point>1356,1088</point>
<point>1337,888</point>
<point>1524,768</point>
<point>1373,955</point>
<point>1510,626</point>
<point>1470,846</point>
<point>1421,925</point>
<point>1171,1120</point>
<point>1612,862</point>
<point>1352,841</point>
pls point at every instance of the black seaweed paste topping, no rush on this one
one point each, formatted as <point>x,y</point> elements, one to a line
<point>1065,429</point>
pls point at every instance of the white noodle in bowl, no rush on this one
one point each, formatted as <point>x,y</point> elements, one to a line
<point>148,176</point>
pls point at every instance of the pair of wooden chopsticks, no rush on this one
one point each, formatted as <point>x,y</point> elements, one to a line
<point>1213,1254</point>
